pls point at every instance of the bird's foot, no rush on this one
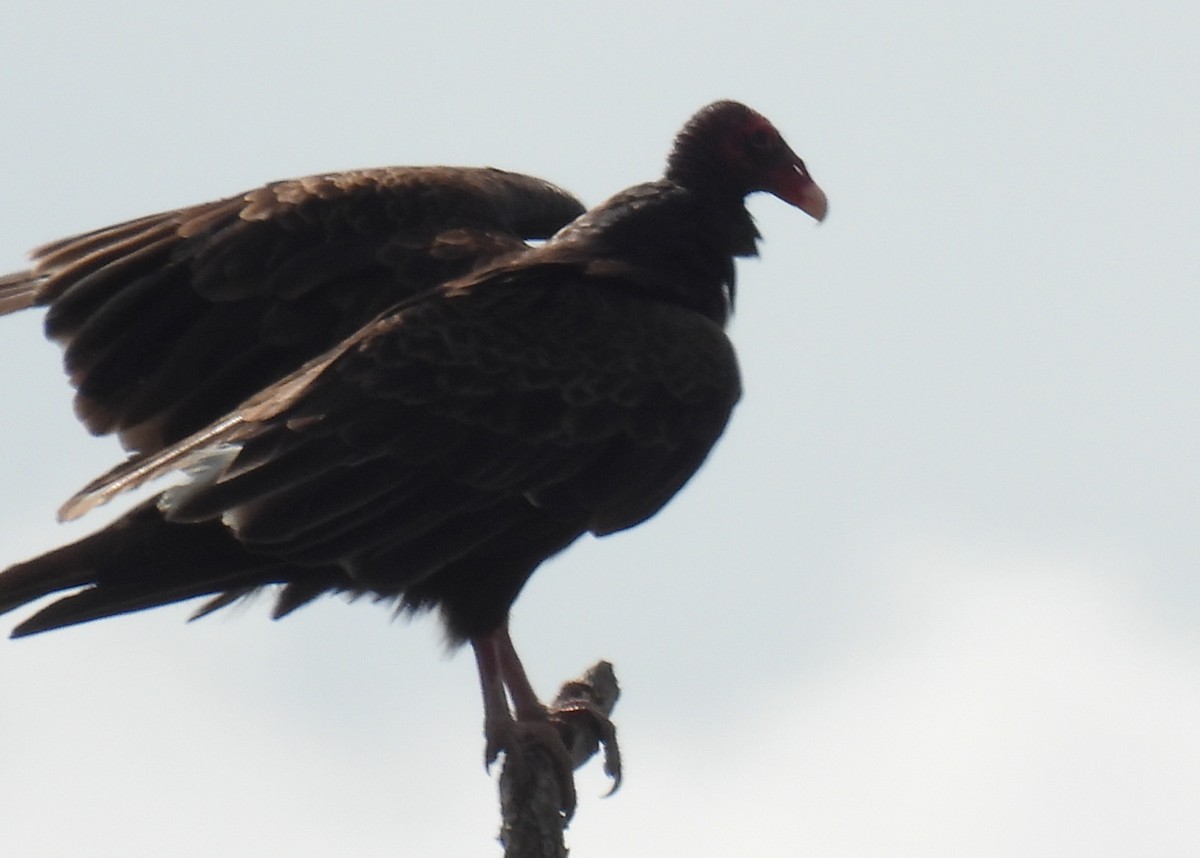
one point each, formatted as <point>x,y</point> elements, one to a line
<point>553,741</point>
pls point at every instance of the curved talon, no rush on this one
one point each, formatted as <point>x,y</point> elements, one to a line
<point>612,757</point>
<point>491,752</point>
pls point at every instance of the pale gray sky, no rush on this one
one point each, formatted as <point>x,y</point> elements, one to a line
<point>936,594</point>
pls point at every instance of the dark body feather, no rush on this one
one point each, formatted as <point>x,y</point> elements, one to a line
<point>437,453</point>
<point>455,444</point>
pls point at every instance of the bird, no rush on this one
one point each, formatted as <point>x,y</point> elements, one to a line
<point>410,384</point>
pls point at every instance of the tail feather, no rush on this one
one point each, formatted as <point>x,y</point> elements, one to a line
<point>140,561</point>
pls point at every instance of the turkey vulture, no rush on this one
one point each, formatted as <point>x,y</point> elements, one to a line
<point>379,388</point>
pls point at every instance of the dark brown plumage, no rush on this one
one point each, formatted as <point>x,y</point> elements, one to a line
<point>434,453</point>
<point>171,320</point>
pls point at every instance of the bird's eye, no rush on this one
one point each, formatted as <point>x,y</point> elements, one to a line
<point>761,141</point>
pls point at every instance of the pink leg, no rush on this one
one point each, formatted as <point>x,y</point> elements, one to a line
<point>497,720</point>
<point>501,677</point>
<point>526,705</point>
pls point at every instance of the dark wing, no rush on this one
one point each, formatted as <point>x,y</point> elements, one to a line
<point>441,454</point>
<point>169,321</point>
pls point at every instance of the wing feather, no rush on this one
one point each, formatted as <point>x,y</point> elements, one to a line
<point>511,392</point>
<point>275,276</point>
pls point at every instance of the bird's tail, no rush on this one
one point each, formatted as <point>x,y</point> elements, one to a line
<point>142,561</point>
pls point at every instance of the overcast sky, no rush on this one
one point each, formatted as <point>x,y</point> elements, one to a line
<point>937,593</point>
